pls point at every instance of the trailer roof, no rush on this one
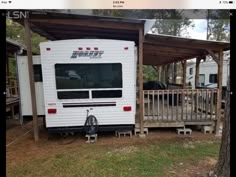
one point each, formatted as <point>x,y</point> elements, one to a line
<point>13,46</point>
<point>165,49</point>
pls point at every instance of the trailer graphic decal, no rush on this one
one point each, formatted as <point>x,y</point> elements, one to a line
<point>90,54</point>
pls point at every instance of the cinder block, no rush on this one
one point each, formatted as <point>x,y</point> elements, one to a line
<point>91,138</point>
<point>207,129</point>
<point>118,133</point>
<point>185,131</point>
<point>138,130</point>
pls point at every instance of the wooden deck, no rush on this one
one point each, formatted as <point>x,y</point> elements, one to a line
<point>176,108</point>
<point>12,95</point>
<point>12,100</point>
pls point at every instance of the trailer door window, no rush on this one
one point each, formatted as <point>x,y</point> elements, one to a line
<point>191,71</point>
<point>37,73</point>
<point>88,76</point>
<point>213,78</point>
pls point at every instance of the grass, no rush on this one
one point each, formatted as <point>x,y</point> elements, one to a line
<point>144,160</point>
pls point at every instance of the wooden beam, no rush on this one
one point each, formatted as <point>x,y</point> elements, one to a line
<point>151,60</point>
<point>51,27</point>
<point>31,79</point>
<point>155,68</point>
<point>219,93</point>
<point>158,60</point>
<point>141,101</point>
<point>212,54</point>
<point>183,45</point>
<point>90,23</point>
<point>168,54</point>
<point>78,34</point>
<point>197,72</point>
<point>184,66</point>
<point>45,34</point>
<point>171,49</point>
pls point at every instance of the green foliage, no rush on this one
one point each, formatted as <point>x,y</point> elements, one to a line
<point>218,25</point>
<point>172,22</point>
<point>16,32</point>
<point>12,67</point>
<point>149,74</point>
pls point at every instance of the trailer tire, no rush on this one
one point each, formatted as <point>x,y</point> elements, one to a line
<point>91,125</point>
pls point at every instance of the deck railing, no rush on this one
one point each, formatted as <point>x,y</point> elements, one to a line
<point>180,105</point>
<point>11,87</point>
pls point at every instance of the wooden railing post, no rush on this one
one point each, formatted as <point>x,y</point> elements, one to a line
<point>198,60</point>
<point>184,66</point>
<point>219,93</point>
<point>141,93</point>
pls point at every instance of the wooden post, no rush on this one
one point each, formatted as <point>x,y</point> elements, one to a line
<point>31,79</point>
<point>140,57</point>
<point>167,73</point>
<point>184,84</point>
<point>159,72</point>
<point>163,74</point>
<point>174,77</point>
<point>184,65</point>
<point>197,72</point>
<point>219,94</point>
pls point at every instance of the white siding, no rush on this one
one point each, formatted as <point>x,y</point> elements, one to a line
<point>24,87</point>
<point>207,68</point>
<point>114,52</point>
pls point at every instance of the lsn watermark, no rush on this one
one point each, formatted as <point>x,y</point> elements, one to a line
<point>16,14</point>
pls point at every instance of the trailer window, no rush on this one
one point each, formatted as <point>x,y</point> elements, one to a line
<point>87,76</point>
<point>73,95</point>
<point>213,78</point>
<point>190,71</point>
<point>202,80</point>
<point>37,73</point>
<point>107,94</point>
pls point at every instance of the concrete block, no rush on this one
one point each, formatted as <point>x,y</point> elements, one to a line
<point>185,131</point>
<point>91,138</point>
<point>207,129</point>
<point>138,130</point>
<point>118,133</point>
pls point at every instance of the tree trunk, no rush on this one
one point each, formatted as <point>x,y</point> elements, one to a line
<point>222,168</point>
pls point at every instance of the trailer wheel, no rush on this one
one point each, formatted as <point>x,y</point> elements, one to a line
<point>91,125</point>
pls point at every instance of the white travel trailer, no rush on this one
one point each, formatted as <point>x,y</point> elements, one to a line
<point>207,74</point>
<point>24,86</point>
<point>83,77</point>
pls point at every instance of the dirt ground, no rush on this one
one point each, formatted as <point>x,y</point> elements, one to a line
<point>20,145</point>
